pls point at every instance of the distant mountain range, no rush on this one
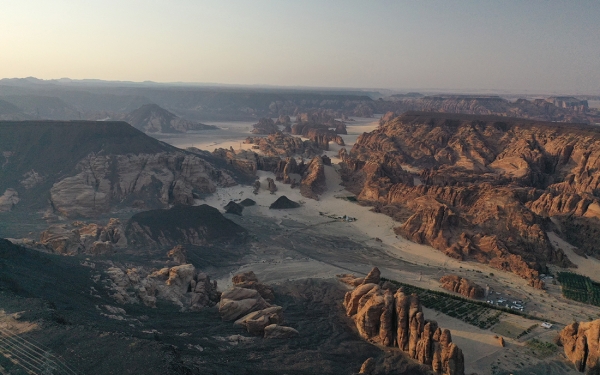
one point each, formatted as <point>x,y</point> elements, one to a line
<point>151,118</point>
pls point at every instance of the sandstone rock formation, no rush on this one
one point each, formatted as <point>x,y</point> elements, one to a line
<point>154,179</point>
<point>279,144</point>
<point>249,280</point>
<point>246,303</point>
<point>396,320</point>
<point>81,238</point>
<point>265,126</point>
<point>462,286</point>
<point>581,344</point>
<point>271,185</point>
<point>313,183</point>
<point>320,134</point>
<point>182,225</point>
<point>151,118</point>
<point>181,285</point>
<point>246,161</point>
<point>482,188</point>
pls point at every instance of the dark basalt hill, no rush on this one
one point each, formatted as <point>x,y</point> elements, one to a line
<point>152,118</point>
<point>234,208</point>
<point>182,225</point>
<point>283,202</point>
<point>248,202</point>
<point>486,186</point>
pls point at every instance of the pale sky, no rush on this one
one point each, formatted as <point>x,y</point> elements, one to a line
<point>449,44</point>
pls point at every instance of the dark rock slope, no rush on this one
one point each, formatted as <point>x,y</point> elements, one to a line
<point>182,225</point>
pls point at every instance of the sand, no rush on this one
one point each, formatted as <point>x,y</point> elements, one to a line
<point>587,266</point>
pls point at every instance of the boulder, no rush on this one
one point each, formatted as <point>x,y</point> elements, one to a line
<point>462,286</point>
<point>275,331</point>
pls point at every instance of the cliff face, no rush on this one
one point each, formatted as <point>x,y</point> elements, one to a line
<point>580,342</point>
<point>396,320</point>
<point>151,118</point>
<point>89,168</point>
<point>485,186</point>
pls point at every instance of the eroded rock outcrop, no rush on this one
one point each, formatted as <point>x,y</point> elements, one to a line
<point>396,320</point>
<point>466,287</point>
<point>246,303</point>
<point>152,180</point>
<point>279,144</point>
<point>581,344</point>
<point>265,126</point>
<point>151,118</point>
<point>313,182</point>
<point>482,188</point>
<point>181,285</point>
<point>81,238</point>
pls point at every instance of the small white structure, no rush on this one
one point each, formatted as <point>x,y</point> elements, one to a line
<point>546,325</point>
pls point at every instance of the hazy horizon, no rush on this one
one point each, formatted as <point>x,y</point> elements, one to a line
<point>538,46</point>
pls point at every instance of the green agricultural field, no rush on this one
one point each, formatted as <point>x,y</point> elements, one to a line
<point>477,313</point>
<point>579,288</point>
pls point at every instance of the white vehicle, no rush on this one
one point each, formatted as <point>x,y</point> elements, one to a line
<point>546,325</point>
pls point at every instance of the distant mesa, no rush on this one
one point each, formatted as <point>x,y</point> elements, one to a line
<point>182,225</point>
<point>265,126</point>
<point>151,118</point>
<point>483,188</point>
<point>282,203</point>
<point>234,208</point>
<point>462,286</point>
<point>11,112</point>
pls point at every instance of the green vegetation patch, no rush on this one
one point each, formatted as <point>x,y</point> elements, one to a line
<point>541,349</point>
<point>579,288</point>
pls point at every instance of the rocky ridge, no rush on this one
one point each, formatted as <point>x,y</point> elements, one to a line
<point>394,319</point>
<point>485,187</point>
<point>181,285</point>
<point>462,286</point>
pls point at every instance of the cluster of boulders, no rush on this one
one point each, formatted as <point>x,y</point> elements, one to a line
<point>247,303</point>
<point>461,285</point>
<point>581,342</point>
<point>181,284</point>
<point>80,238</point>
<point>394,319</point>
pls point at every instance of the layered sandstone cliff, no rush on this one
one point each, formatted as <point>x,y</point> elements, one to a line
<point>581,342</point>
<point>395,319</point>
<point>483,188</point>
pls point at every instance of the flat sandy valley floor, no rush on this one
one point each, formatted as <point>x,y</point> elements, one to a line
<point>309,242</point>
